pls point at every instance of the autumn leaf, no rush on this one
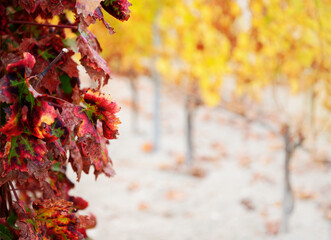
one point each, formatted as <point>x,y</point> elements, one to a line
<point>105,111</point>
<point>117,8</point>
<point>43,117</point>
<point>52,7</point>
<point>3,21</point>
<point>95,65</point>
<point>14,86</point>
<point>45,50</point>
<point>13,126</point>
<point>26,154</point>
<point>103,163</point>
<point>87,7</point>
<point>60,184</point>
<point>26,222</point>
<point>78,202</point>
<point>57,218</point>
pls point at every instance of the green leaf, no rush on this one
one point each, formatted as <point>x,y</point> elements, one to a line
<point>45,54</point>
<point>56,167</point>
<point>12,219</point>
<point>65,83</point>
<point>3,113</point>
<point>5,233</point>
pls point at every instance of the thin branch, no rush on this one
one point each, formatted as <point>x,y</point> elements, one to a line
<point>14,191</point>
<point>42,24</point>
<point>43,73</point>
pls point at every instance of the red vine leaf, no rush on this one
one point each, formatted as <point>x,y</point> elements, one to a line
<point>103,163</point>
<point>12,85</point>
<point>78,203</point>
<point>99,15</point>
<point>26,154</point>
<point>69,66</point>
<point>117,8</point>
<point>57,217</point>
<point>105,111</point>
<point>3,21</point>
<point>13,125</point>
<point>25,222</point>
<point>27,61</point>
<point>87,222</point>
<point>95,65</point>
<point>28,5</point>
<point>87,7</point>
<point>42,119</point>
<point>60,184</point>
<point>54,7</point>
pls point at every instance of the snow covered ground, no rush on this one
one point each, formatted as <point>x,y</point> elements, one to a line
<point>233,191</point>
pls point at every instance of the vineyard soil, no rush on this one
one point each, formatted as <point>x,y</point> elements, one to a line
<point>233,191</point>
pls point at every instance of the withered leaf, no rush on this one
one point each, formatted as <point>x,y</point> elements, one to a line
<point>117,8</point>
<point>87,7</point>
<point>95,65</point>
<point>106,109</point>
<point>57,217</point>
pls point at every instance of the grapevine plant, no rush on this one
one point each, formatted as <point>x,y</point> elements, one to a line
<point>47,120</point>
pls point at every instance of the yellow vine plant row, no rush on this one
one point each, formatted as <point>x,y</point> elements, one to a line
<point>259,43</point>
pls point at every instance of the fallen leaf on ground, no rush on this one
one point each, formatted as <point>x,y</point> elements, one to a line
<point>328,214</point>
<point>304,194</point>
<point>258,177</point>
<point>143,206</point>
<point>134,185</point>
<point>245,161</point>
<point>277,145</point>
<point>208,158</point>
<point>175,195</point>
<point>180,159</point>
<point>198,172</point>
<point>247,203</point>
<point>147,147</point>
<point>220,148</point>
<point>272,227</point>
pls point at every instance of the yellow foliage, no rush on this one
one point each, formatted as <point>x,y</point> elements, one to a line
<point>201,40</point>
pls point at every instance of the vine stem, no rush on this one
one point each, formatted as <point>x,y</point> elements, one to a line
<point>43,73</point>
<point>14,191</point>
<point>42,24</point>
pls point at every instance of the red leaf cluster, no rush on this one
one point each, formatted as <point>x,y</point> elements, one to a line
<point>117,8</point>
<point>46,121</point>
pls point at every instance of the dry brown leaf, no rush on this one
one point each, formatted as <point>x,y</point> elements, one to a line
<point>272,227</point>
<point>208,158</point>
<point>180,159</point>
<point>328,214</point>
<point>143,206</point>
<point>220,148</point>
<point>305,195</point>
<point>272,135</point>
<point>245,161</point>
<point>147,147</point>
<point>134,185</point>
<point>251,135</point>
<point>277,145</point>
<point>258,177</point>
<point>175,195</point>
<point>247,203</point>
<point>167,167</point>
<point>207,117</point>
<point>198,172</point>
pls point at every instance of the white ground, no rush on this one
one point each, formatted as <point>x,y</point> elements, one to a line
<point>237,190</point>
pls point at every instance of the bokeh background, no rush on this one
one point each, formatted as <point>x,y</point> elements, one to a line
<point>226,122</point>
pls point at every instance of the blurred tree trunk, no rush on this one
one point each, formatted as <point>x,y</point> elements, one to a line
<point>135,105</point>
<point>157,86</point>
<point>291,143</point>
